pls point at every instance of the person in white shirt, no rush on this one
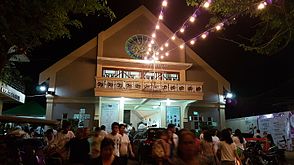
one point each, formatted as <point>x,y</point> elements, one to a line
<point>125,147</point>
<point>172,128</point>
<point>103,133</point>
<point>116,137</point>
<point>215,139</point>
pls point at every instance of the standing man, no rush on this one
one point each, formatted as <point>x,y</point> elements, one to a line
<point>116,137</point>
<point>125,147</point>
<point>175,138</point>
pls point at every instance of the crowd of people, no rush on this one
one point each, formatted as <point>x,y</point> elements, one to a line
<point>173,147</point>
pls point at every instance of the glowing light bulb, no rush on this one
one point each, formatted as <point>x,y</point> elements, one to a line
<point>149,49</point>
<point>182,30</point>
<point>219,26</point>
<point>145,58</point>
<point>206,5</point>
<point>161,57</point>
<point>147,53</point>
<point>166,54</point>
<point>261,5</point>
<point>152,41</point>
<point>192,19</point>
<point>157,27</point>
<point>149,45</point>
<point>164,3</point>
<point>161,48</point>
<point>157,53</point>
<point>204,35</point>
<point>192,42</point>
<point>166,44</point>
<point>182,46</point>
<point>160,17</point>
<point>173,37</point>
<point>156,58</point>
<point>153,35</point>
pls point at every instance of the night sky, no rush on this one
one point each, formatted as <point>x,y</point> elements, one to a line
<point>254,78</point>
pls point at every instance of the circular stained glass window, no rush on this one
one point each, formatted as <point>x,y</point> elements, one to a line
<point>138,45</point>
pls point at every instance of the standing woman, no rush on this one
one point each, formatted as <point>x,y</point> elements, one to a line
<point>107,156</point>
<point>187,153</point>
<point>240,142</point>
<point>125,146</point>
<point>227,149</point>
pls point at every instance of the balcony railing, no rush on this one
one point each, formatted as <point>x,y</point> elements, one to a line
<point>149,86</point>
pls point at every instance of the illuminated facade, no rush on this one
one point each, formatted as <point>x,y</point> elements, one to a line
<point>109,79</point>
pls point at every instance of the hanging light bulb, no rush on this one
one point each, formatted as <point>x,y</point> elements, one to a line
<point>261,5</point>
<point>149,45</point>
<point>204,35</point>
<point>147,53</point>
<point>182,30</point>
<point>149,49</point>
<point>164,3</point>
<point>157,53</point>
<point>166,44</point>
<point>153,35</point>
<point>166,54</point>
<point>157,26</point>
<point>152,41</point>
<point>182,46</point>
<point>161,57</point>
<point>173,37</point>
<point>145,58</point>
<point>192,42</point>
<point>206,5</point>
<point>161,48</point>
<point>219,26</point>
<point>160,16</point>
<point>192,18</point>
<point>156,58</point>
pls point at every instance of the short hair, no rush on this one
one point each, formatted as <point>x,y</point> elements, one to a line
<point>102,127</point>
<point>258,131</point>
<point>121,125</point>
<point>106,142</point>
<point>171,126</point>
<point>97,129</point>
<point>114,124</point>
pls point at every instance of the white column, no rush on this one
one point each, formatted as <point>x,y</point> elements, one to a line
<point>222,118</point>
<point>1,106</point>
<point>121,111</point>
<point>49,107</point>
<point>163,114</point>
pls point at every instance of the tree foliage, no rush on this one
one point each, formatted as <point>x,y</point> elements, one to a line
<point>28,23</point>
<point>273,30</point>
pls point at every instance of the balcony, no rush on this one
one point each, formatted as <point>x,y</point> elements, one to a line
<point>142,88</point>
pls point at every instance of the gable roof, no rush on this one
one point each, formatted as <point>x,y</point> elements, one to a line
<point>142,10</point>
<point>67,60</point>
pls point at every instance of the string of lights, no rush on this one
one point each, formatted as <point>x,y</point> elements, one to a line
<point>191,19</point>
<point>217,27</point>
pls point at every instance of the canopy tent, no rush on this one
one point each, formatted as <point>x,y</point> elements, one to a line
<point>28,109</point>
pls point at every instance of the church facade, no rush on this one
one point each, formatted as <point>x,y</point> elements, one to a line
<point>110,79</point>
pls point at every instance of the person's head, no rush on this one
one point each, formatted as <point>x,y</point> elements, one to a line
<point>86,132</point>
<point>230,130</point>
<point>207,136</point>
<point>122,128</point>
<point>171,127</point>
<point>103,127</point>
<point>226,136</point>
<point>97,131</point>
<point>114,128</point>
<point>49,133</point>
<point>238,133</point>
<point>107,148</point>
<point>164,135</point>
<point>187,144</point>
<point>258,131</point>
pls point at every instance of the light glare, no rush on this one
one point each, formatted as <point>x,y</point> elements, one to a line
<point>192,19</point>
<point>166,44</point>
<point>182,30</point>
<point>173,37</point>
<point>192,42</point>
<point>206,5</point>
<point>164,3</point>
